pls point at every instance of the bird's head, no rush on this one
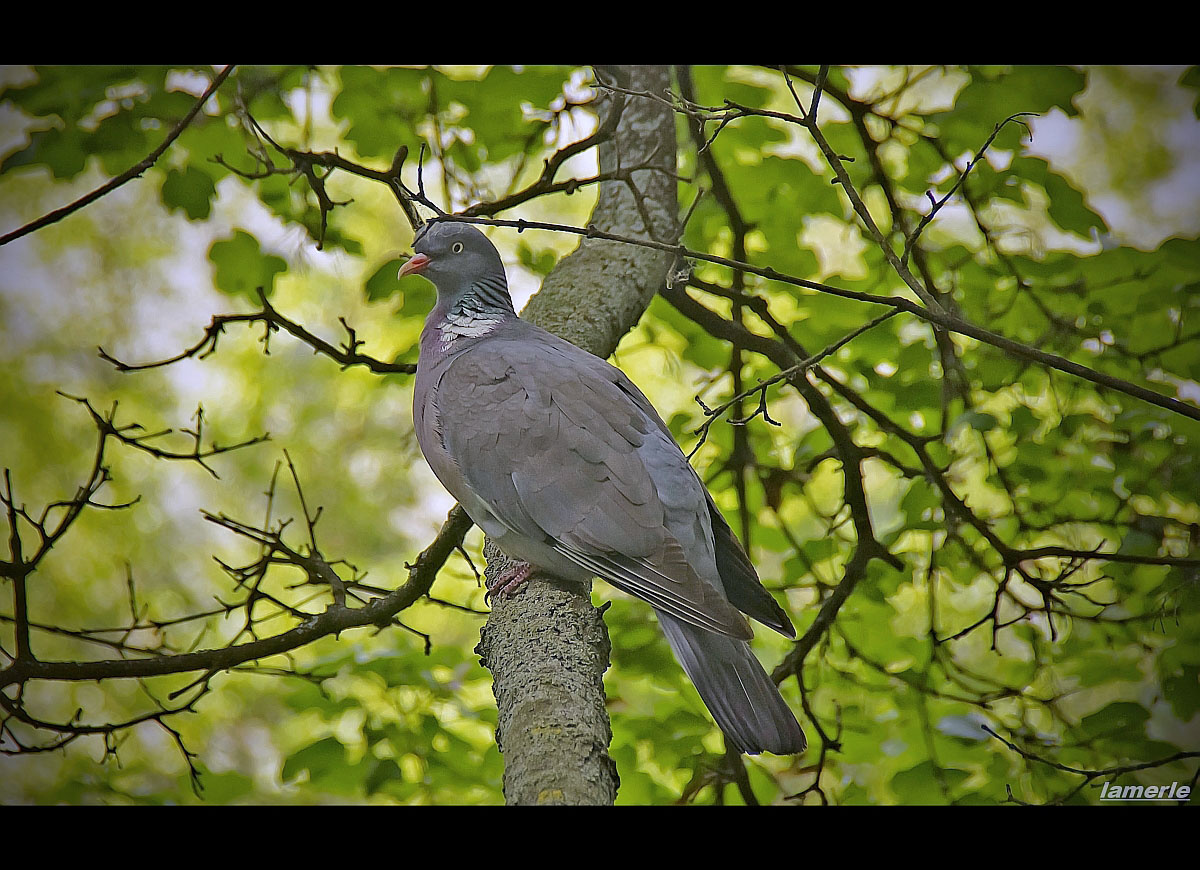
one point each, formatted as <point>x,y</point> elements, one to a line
<point>456,257</point>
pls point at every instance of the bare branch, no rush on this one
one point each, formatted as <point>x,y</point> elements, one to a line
<point>347,355</point>
<point>332,621</point>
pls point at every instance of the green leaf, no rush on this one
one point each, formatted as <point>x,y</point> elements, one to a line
<point>384,284</point>
<point>242,267</point>
<point>382,106</point>
<point>920,785</point>
<point>994,95</point>
<point>61,151</point>
<point>190,190</point>
<point>418,295</point>
<point>318,759</point>
<point>1123,718</point>
<point>540,261</point>
<point>920,504</point>
<point>119,141</point>
<point>1182,690</point>
<point>1067,206</point>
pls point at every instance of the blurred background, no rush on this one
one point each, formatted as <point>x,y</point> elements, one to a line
<point>373,717</point>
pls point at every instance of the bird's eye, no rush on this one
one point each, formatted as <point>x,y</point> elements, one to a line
<point>457,247</point>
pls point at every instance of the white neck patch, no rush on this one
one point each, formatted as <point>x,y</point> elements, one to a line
<point>467,322</point>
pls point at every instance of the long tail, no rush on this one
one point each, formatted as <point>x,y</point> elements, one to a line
<point>735,688</point>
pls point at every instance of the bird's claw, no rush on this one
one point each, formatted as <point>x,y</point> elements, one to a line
<point>512,579</point>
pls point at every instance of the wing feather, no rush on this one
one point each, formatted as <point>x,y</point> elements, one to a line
<point>555,451</point>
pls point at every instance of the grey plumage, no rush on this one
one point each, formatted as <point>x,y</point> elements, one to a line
<point>559,458</point>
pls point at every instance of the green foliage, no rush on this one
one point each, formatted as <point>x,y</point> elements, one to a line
<point>1088,664</point>
<point>191,190</point>
<point>242,267</point>
<point>1191,79</point>
<point>384,283</point>
<point>997,93</point>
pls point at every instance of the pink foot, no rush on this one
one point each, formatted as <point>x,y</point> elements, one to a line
<point>513,578</point>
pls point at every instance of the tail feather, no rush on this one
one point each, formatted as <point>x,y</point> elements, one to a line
<point>735,688</point>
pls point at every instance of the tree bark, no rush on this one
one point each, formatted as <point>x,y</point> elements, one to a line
<point>546,645</point>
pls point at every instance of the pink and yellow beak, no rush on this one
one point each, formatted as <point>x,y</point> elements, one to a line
<point>415,266</point>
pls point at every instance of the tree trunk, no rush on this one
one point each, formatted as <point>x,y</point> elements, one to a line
<point>546,646</point>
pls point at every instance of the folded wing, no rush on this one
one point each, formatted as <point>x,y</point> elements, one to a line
<point>573,462</point>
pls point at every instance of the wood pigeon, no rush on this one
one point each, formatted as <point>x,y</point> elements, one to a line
<point>563,462</point>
